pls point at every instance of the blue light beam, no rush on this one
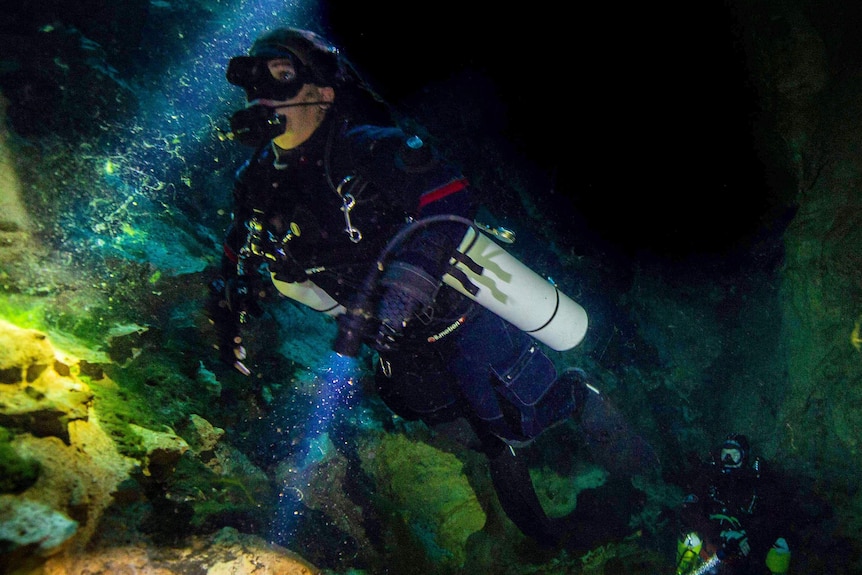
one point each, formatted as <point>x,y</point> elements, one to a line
<point>336,392</point>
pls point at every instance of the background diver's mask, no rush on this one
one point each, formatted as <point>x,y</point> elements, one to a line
<point>731,457</point>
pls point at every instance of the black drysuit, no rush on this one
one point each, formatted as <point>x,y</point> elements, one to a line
<point>325,211</point>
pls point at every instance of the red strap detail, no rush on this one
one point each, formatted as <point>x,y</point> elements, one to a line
<point>442,192</point>
<point>230,254</point>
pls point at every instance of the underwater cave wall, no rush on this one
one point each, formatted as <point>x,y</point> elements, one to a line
<point>810,84</point>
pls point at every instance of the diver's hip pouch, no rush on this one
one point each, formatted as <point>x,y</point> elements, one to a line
<point>528,398</point>
<point>528,379</point>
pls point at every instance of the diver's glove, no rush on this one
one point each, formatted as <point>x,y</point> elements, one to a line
<point>229,305</point>
<point>407,292</point>
<point>734,543</point>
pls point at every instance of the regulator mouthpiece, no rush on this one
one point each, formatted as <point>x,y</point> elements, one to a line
<point>256,125</point>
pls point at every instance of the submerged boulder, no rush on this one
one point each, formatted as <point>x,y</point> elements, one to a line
<point>30,528</point>
<point>38,392</point>
<point>429,494</point>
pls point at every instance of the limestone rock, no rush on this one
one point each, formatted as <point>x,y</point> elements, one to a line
<point>164,449</point>
<point>30,528</point>
<point>39,392</point>
<point>13,213</point>
<point>228,552</point>
<point>24,522</point>
<point>431,493</point>
<point>201,435</point>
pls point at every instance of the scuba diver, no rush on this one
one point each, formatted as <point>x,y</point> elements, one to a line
<point>350,215</point>
<point>733,517</point>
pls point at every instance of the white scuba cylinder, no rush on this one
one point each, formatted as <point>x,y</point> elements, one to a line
<point>310,294</point>
<point>507,288</point>
<point>519,295</point>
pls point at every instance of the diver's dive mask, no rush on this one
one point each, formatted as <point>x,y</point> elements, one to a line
<point>274,77</point>
<point>271,78</point>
